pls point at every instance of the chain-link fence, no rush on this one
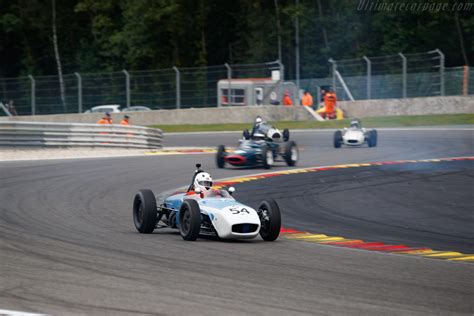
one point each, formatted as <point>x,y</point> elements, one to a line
<point>398,76</point>
<point>394,76</point>
<point>459,80</point>
<point>157,89</point>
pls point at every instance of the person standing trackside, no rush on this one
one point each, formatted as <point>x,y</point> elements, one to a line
<point>106,119</point>
<point>307,99</point>
<point>286,99</point>
<point>125,120</point>
<point>330,100</point>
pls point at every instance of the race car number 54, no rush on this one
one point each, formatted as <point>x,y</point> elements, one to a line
<point>236,211</point>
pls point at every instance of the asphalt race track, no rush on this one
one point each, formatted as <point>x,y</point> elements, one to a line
<point>425,204</point>
<point>68,244</point>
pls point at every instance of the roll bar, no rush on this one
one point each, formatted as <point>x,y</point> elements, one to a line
<point>198,170</point>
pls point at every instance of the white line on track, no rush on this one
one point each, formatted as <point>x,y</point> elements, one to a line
<point>17,313</point>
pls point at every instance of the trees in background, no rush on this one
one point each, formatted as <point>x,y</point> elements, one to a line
<point>110,35</point>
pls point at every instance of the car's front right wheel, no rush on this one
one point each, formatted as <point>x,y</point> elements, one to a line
<point>270,220</point>
<point>337,139</point>
<point>286,135</point>
<point>267,157</point>
<point>372,138</point>
<point>220,160</point>
<point>189,220</point>
<point>291,153</point>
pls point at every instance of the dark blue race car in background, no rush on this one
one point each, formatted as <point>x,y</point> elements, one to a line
<point>264,146</point>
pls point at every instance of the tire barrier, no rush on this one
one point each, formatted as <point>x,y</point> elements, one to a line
<point>14,134</point>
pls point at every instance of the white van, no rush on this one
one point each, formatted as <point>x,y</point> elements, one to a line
<point>111,108</point>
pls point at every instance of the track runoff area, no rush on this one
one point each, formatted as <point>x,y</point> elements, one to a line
<point>407,207</point>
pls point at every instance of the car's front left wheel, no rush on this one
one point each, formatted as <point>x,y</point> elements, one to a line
<point>144,211</point>
<point>246,134</point>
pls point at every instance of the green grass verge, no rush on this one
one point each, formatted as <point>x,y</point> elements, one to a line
<point>386,121</point>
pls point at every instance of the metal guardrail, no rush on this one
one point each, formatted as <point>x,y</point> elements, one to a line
<point>75,134</point>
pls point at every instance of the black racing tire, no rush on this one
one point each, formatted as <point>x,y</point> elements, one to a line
<point>189,220</point>
<point>374,131</point>
<point>270,220</point>
<point>291,153</point>
<point>145,211</point>
<point>372,141</point>
<point>267,162</point>
<point>220,161</point>
<point>337,139</point>
<point>246,134</point>
<point>286,135</point>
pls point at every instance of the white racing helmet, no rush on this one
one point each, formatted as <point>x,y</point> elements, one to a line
<point>258,120</point>
<point>203,180</point>
<point>355,124</point>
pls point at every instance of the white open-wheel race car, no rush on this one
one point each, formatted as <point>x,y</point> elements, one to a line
<point>202,210</point>
<point>355,135</point>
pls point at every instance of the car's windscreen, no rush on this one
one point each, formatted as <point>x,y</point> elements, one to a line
<point>263,128</point>
<point>218,194</point>
<point>248,144</point>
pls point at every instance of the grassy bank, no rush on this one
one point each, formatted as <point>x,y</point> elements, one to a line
<point>387,121</point>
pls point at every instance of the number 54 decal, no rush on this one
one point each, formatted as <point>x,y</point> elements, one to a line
<point>236,211</point>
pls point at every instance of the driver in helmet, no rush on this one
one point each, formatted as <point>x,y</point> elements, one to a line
<point>355,124</point>
<point>203,181</point>
<point>258,129</point>
<point>256,125</point>
<point>201,186</point>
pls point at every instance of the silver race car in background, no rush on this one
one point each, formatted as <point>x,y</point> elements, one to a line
<point>355,135</point>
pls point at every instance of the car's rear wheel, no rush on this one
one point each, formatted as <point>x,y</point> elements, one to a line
<point>220,156</point>
<point>337,139</point>
<point>270,220</point>
<point>286,135</point>
<point>267,157</point>
<point>291,153</point>
<point>144,211</point>
<point>189,220</point>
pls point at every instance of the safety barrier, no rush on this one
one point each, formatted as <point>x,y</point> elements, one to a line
<point>75,134</point>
